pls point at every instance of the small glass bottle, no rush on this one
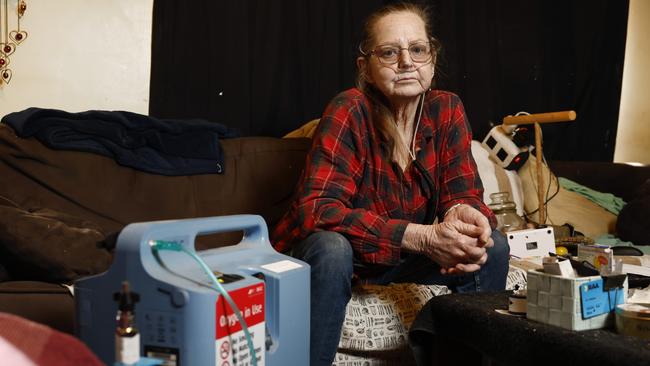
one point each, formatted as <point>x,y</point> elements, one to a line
<point>127,337</point>
<point>506,213</point>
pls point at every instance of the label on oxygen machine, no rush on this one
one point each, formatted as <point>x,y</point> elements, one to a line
<point>231,346</point>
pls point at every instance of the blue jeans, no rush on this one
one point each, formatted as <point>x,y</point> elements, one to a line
<point>331,259</point>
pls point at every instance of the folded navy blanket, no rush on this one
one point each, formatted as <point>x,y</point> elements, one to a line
<point>159,146</point>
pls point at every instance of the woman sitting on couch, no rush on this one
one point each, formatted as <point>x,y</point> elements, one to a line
<point>388,157</point>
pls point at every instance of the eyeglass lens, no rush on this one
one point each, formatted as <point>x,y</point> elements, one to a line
<point>420,52</point>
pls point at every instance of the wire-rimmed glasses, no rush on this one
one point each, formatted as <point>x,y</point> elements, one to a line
<point>388,54</point>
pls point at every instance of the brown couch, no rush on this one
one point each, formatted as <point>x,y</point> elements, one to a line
<point>60,210</point>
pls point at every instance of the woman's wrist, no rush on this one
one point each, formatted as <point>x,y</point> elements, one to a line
<point>452,208</point>
<point>415,237</point>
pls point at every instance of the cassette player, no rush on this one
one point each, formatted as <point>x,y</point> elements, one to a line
<point>531,242</point>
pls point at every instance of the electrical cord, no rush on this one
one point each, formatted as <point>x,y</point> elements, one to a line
<point>548,187</point>
<point>547,200</point>
<point>417,124</point>
<point>157,245</point>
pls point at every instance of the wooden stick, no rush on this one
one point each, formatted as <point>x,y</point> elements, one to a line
<point>541,205</point>
<point>540,118</point>
<point>561,116</point>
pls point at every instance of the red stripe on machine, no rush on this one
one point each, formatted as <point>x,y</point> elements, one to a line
<point>249,300</point>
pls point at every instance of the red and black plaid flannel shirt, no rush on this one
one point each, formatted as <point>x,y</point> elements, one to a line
<point>349,186</point>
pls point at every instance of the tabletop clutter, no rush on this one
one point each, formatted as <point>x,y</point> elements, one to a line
<point>586,291</point>
<point>585,286</point>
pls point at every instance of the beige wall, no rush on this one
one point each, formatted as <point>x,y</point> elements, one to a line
<point>80,55</point>
<point>634,116</point>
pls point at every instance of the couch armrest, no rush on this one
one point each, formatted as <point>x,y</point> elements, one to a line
<point>46,303</point>
<point>620,179</point>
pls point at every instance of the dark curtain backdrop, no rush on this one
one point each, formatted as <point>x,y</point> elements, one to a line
<point>267,67</point>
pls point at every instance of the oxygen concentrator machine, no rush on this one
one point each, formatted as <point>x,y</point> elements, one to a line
<point>186,319</point>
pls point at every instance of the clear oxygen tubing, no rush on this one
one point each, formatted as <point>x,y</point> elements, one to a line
<point>157,245</point>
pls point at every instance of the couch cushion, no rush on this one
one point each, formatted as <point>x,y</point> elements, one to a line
<point>496,179</point>
<point>378,318</point>
<point>261,178</point>
<point>261,174</point>
<point>50,246</point>
<point>42,302</point>
<point>563,206</point>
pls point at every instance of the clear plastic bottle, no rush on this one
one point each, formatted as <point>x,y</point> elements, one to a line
<point>127,337</point>
<point>506,212</point>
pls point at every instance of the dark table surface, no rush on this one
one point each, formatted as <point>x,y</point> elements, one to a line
<point>470,320</point>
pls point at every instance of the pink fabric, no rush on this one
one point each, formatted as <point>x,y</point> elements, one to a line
<point>10,355</point>
<point>28,343</point>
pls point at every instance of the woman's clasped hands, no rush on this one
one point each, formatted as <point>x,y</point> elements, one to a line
<point>458,244</point>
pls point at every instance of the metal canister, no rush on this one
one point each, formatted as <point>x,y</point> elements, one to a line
<point>633,320</point>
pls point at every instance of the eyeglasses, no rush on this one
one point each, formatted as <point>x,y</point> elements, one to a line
<point>419,51</point>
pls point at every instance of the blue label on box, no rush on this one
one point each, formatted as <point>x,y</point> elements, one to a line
<point>595,301</point>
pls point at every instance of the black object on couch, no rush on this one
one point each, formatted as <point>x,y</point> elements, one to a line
<point>633,222</point>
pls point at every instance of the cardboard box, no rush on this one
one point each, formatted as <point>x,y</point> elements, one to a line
<point>597,255</point>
